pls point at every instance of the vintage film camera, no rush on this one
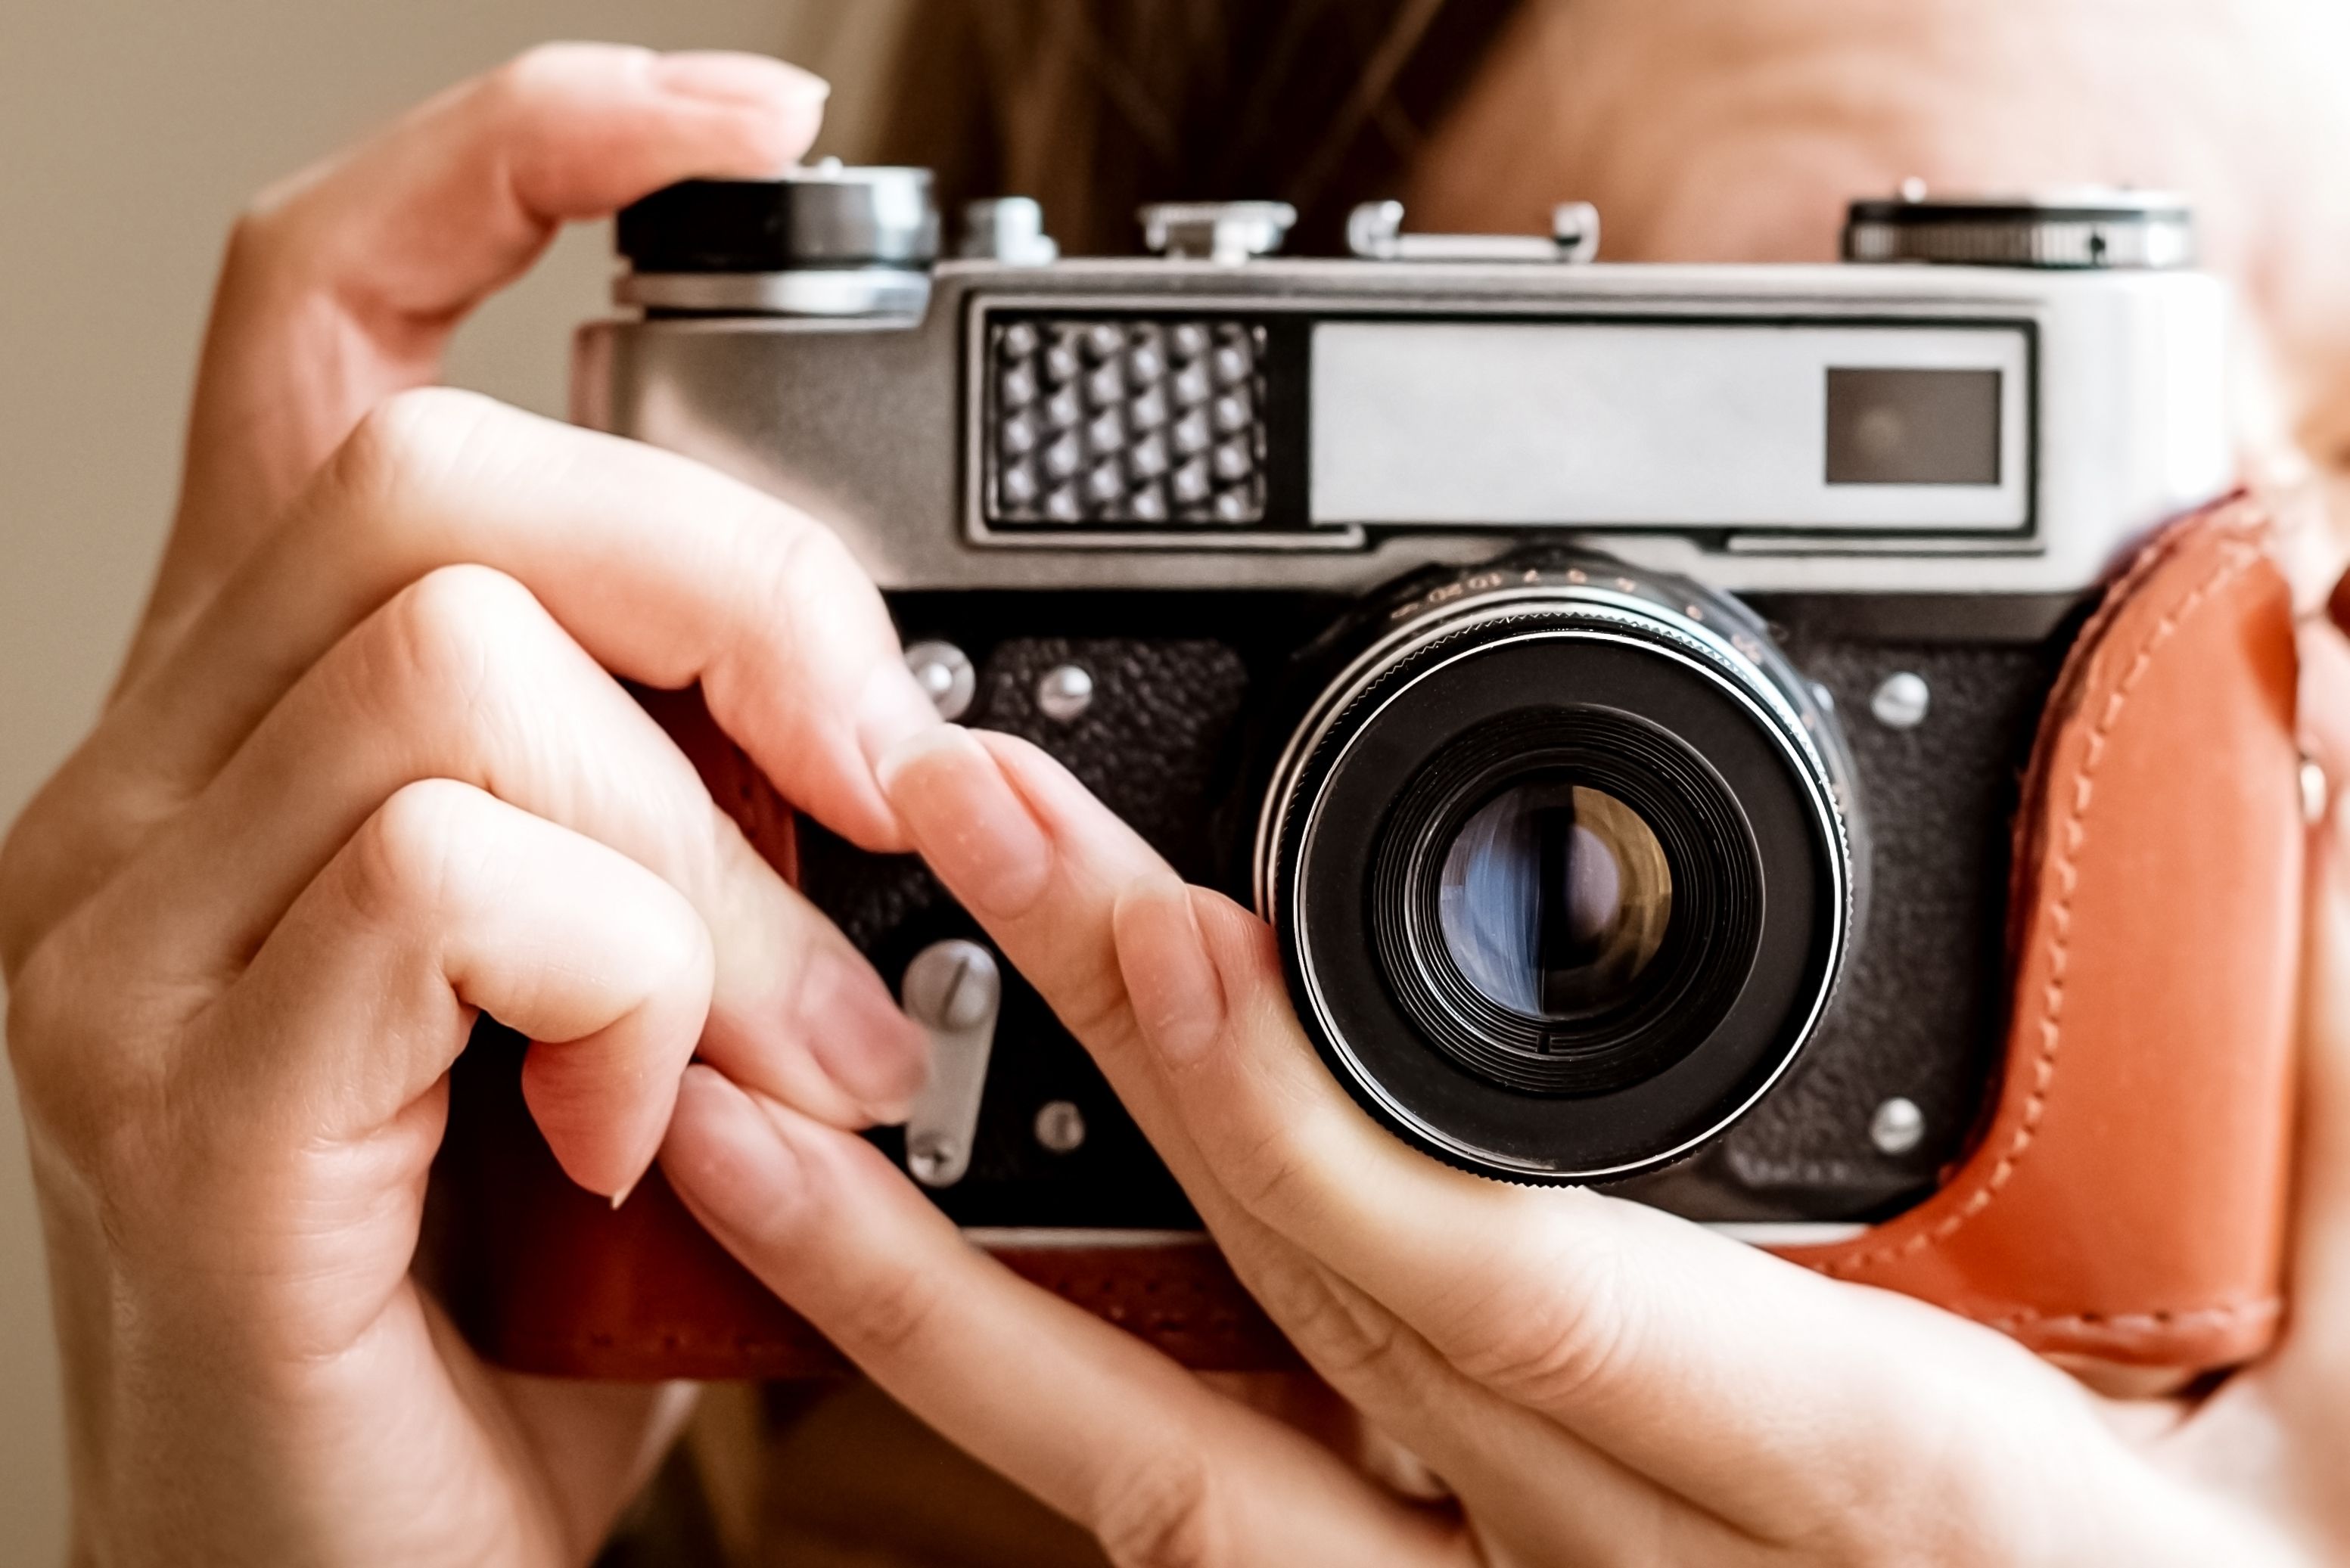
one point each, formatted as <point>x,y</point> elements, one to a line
<point>1612,681</point>
<point>1659,708</point>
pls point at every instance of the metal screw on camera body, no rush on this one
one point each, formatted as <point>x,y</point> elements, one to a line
<point>1900,700</point>
<point>952,986</point>
<point>944,673</point>
<point>1065,692</point>
<point>1060,1126</point>
<point>1898,1126</point>
<point>930,1156</point>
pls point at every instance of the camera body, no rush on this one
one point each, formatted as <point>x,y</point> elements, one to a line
<point>1215,527</point>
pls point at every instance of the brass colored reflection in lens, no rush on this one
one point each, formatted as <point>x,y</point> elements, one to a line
<point>1555,897</point>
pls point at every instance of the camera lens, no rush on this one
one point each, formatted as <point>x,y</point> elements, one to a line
<point>1554,898</point>
<point>1560,859</point>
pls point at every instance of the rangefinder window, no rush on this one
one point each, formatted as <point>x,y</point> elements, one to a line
<point>1913,427</point>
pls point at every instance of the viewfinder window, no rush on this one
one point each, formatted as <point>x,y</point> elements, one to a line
<point>1912,426</point>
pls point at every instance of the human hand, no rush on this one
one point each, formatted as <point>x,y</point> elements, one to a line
<point>366,775</point>
<point>1593,1381</point>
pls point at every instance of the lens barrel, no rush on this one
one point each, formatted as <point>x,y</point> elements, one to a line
<point>1563,858</point>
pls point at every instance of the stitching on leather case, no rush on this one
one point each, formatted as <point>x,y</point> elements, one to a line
<point>2220,1316</point>
<point>2074,835</point>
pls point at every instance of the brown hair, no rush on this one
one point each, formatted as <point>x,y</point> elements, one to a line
<point>1094,106</point>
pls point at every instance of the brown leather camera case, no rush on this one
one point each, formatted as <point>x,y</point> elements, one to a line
<point>2124,1200</point>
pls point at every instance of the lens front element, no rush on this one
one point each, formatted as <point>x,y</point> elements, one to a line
<point>1554,898</point>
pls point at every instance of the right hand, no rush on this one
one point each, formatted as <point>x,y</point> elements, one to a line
<point>367,774</point>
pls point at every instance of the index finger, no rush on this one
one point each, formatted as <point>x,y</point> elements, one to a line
<point>669,573</point>
<point>343,284</point>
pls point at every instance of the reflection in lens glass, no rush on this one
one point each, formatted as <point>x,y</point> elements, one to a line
<point>1554,898</point>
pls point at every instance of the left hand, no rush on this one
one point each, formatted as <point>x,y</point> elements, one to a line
<point>1593,1381</point>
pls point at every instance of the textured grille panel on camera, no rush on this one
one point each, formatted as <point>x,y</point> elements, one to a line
<point>1124,424</point>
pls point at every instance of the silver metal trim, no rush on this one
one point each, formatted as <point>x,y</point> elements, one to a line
<point>1375,233</point>
<point>2089,228</point>
<point>1047,1236</point>
<point>1353,538</point>
<point>2075,244</point>
<point>850,291</point>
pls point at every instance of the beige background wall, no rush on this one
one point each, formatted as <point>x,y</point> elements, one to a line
<point>129,133</point>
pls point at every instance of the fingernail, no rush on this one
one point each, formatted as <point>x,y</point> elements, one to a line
<point>727,1156</point>
<point>734,77</point>
<point>892,709</point>
<point>859,1036</point>
<point>622,1195</point>
<point>967,820</point>
<point>1172,984</point>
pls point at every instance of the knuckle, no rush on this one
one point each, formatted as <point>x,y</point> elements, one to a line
<point>674,941</point>
<point>406,863</point>
<point>1347,1343</point>
<point>1268,1173</point>
<point>27,871</point>
<point>1550,1344</point>
<point>1163,1512</point>
<point>43,1024</point>
<point>892,1314</point>
<point>1093,1005</point>
<point>260,237</point>
<point>94,1096</point>
<point>408,448</point>
<point>457,605</point>
<point>445,640</point>
<point>792,570</point>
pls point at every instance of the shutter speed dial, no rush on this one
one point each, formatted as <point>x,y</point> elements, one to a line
<point>2087,228</point>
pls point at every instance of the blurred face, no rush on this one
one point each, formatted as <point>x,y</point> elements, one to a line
<point>1707,132</point>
